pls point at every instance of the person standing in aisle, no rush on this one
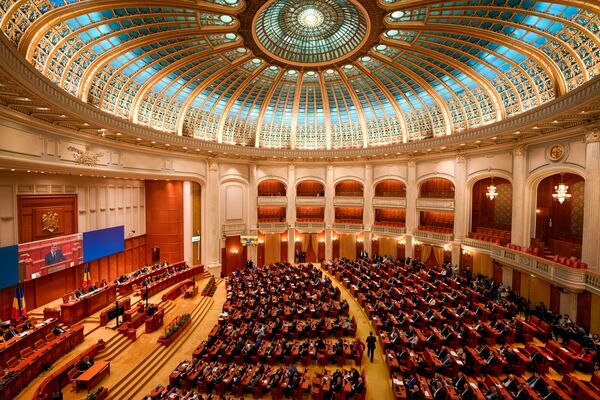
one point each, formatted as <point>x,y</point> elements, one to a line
<point>371,340</point>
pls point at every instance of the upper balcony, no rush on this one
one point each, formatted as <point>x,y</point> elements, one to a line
<point>436,194</point>
<point>390,193</point>
<point>574,279</point>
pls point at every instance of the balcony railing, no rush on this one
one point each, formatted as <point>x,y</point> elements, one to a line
<point>310,201</point>
<point>347,228</point>
<point>435,204</point>
<point>575,279</point>
<point>434,237</point>
<point>272,200</point>
<point>389,202</point>
<point>310,227</point>
<point>272,227</point>
<point>389,230</point>
<point>348,201</point>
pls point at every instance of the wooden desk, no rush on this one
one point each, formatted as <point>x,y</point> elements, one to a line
<point>78,310</point>
<point>93,375</point>
<point>12,348</point>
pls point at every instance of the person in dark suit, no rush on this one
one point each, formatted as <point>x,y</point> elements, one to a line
<point>54,256</point>
<point>439,393</point>
<point>536,382</point>
<point>510,383</point>
<point>371,341</point>
<point>85,364</point>
<point>459,381</point>
<point>492,393</point>
<point>466,393</point>
<point>551,395</point>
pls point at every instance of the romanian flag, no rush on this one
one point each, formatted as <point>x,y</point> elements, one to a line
<point>19,310</point>
<point>87,276</point>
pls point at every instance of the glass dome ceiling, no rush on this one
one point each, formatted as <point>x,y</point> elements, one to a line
<point>261,73</point>
<point>310,32</point>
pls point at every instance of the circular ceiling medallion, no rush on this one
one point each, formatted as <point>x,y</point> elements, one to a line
<point>310,33</point>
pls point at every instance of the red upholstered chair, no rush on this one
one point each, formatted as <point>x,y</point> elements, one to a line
<point>26,352</point>
<point>12,363</point>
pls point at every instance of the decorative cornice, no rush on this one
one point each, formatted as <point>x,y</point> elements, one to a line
<point>592,135</point>
<point>35,83</point>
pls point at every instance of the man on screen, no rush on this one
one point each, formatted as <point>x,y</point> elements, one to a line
<point>54,255</point>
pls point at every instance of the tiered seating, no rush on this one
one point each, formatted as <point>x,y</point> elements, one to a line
<point>271,214</point>
<point>129,283</point>
<point>280,314</point>
<point>60,378</point>
<point>12,348</point>
<point>22,370</point>
<point>497,236</point>
<point>432,326</point>
<point>178,290</point>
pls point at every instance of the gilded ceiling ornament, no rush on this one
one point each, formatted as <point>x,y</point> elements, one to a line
<point>86,157</point>
<point>556,152</point>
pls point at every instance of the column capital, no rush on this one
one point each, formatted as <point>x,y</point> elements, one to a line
<point>520,150</point>
<point>213,165</point>
<point>592,135</point>
<point>369,166</point>
<point>412,163</point>
<point>291,167</point>
<point>461,158</point>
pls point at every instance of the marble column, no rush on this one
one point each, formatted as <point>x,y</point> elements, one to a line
<point>460,198</point>
<point>329,211</point>
<point>412,192</point>
<point>590,250</point>
<point>213,226</point>
<point>252,227</point>
<point>519,219</point>
<point>291,211</point>
<point>188,223</point>
<point>368,214</point>
<point>568,304</point>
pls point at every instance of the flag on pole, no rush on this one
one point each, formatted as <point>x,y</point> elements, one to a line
<point>87,276</point>
<point>19,309</point>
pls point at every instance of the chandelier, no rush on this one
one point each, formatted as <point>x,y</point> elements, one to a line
<point>561,192</point>
<point>491,191</point>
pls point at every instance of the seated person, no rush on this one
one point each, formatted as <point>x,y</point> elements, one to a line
<point>10,333</point>
<point>78,293</point>
<point>85,363</point>
<point>57,331</point>
<point>492,393</point>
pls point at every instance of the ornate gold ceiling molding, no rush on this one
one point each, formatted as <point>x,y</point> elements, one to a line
<point>207,82</point>
<point>491,66</point>
<point>234,98</point>
<point>40,26</point>
<point>74,34</point>
<point>105,58</point>
<point>543,60</point>
<point>592,6</point>
<point>390,98</point>
<point>426,86</point>
<point>157,77</point>
<point>357,104</point>
<point>263,110</point>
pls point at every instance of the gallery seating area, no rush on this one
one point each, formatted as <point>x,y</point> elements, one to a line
<point>439,331</point>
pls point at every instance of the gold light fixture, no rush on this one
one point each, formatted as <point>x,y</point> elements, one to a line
<point>491,191</point>
<point>561,191</point>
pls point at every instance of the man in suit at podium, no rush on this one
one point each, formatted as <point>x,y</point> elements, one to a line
<point>54,256</point>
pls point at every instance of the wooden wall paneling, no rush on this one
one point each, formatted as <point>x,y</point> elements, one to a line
<point>374,248</point>
<point>359,247</point>
<point>497,272</point>
<point>584,310</point>
<point>516,282</point>
<point>260,254</point>
<point>284,247</point>
<point>164,219</point>
<point>233,255</point>
<point>349,188</point>
<point>554,299</point>
<point>335,244</point>
<point>31,209</point>
<point>392,186</point>
<point>401,251</point>
<point>437,188</point>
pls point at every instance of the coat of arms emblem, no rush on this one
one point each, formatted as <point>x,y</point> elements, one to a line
<point>50,221</point>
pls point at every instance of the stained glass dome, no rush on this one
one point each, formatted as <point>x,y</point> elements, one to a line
<point>313,32</point>
<point>314,74</point>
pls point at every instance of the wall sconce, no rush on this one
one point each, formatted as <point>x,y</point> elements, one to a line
<point>537,211</point>
<point>283,240</point>
<point>298,240</point>
<point>321,240</point>
<point>260,241</point>
<point>234,251</point>
<point>334,238</point>
<point>402,240</point>
<point>416,243</point>
<point>466,252</point>
<point>360,240</point>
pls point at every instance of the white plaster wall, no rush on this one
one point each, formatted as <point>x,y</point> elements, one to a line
<point>395,170</point>
<point>435,169</point>
<point>349,172</point>
<point>101,203</point>
<point>496,162</point>
<point>233,202</point>
<point>304,172</point>
<point>277,171</point>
